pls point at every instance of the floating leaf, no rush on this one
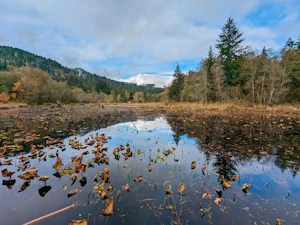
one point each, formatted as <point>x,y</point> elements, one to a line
<point>181,188</point>
<point>99,187</point>
<point>67,171</point>
<point>193,165</point>
<point>80,167</point>
<point>295,168</point>
<point>6,173</point>
<point>74,192</point>
<point>52,155</point>
<point>126,187</point>
<point>169,191</point>
<point>95,177</point>
<point>105,177</point>
<point>65,187</point>
<point>138,179</point>
<point>149,167</point>
<point>159,159</point>
<point>226,184</point>
<point>78,222</point>
<point>41,153</point>
<point>109,208</point>
<point>73,176</point>
<point>8,162</point>
<point>24,176</point>
<point>218,201</point>
<point>76,161</point>
<point>245,187</point>
<point>235,177</point>
<point>110,188</point>
<point>139,151</point>
<point>104,194</point>
<point>206,195</point>
<point>58,163</point>
<point>278,222</point>
<point>23,167</point>
<point>106,170</point>
<point>25,185</point>
<point>44,178</point>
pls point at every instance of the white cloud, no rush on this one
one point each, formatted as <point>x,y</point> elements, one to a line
<point>149,34</point>
<point>113,74</point>
<point>158,80</point>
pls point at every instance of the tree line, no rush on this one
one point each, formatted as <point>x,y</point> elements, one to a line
<point>77,85</point>
<point>35,86</point>
<point>238,72</point>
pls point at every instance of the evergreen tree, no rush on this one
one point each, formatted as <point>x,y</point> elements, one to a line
<point>289,43</point>
<point>298,43</point>
<point>130,96</point>
<point>177,85</point>
<point>264,52</point>
<point>209,62</point>
<point>230,51</point>
<point>145,94</point>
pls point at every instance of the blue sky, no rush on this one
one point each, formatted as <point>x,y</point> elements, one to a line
<point>137,40</point>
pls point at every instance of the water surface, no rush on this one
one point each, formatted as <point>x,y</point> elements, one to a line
<point>256,150</point>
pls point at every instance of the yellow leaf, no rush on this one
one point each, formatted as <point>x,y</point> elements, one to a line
<point>181,188</point>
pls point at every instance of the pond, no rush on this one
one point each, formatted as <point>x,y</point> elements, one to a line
<point>178,169</point>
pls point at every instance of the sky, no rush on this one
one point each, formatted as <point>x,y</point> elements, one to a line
<point>141,41</point>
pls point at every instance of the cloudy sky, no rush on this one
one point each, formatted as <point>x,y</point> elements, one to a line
<point>140,40</point>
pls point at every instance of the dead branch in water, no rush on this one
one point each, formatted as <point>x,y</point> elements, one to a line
<point>51,214</point>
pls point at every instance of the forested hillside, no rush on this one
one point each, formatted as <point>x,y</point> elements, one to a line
<point>16,61</point>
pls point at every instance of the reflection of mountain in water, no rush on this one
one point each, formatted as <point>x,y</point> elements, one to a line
<point>236,139</point>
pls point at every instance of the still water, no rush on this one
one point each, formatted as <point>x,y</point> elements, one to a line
<point>261,154</point>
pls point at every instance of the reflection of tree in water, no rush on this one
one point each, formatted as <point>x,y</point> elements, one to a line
<point>178,128</point>
<point>236,139</point>
<point>287,159</point>
<point>225,166</point>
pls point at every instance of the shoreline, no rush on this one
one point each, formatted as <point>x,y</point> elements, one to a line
<point>14,109</point>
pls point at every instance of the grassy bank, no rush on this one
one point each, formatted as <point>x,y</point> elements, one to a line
<point>10,109</point>
<point>223,108</point>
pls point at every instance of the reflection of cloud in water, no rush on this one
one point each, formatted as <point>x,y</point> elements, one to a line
<point>158,123</point>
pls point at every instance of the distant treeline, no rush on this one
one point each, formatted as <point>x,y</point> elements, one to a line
<point>19,66</point>
<point>237,72</point>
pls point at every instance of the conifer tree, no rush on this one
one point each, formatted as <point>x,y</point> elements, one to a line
<point>209,62</point>
<point>230,51</point>
<point>177,85</point>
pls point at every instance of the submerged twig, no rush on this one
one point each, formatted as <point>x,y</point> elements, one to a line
<point>51,214</point>
<point>147,199</point>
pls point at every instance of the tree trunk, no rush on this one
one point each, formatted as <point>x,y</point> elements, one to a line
<point>253,91</point>
<point>262,89</point>
<point>205,87</point>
